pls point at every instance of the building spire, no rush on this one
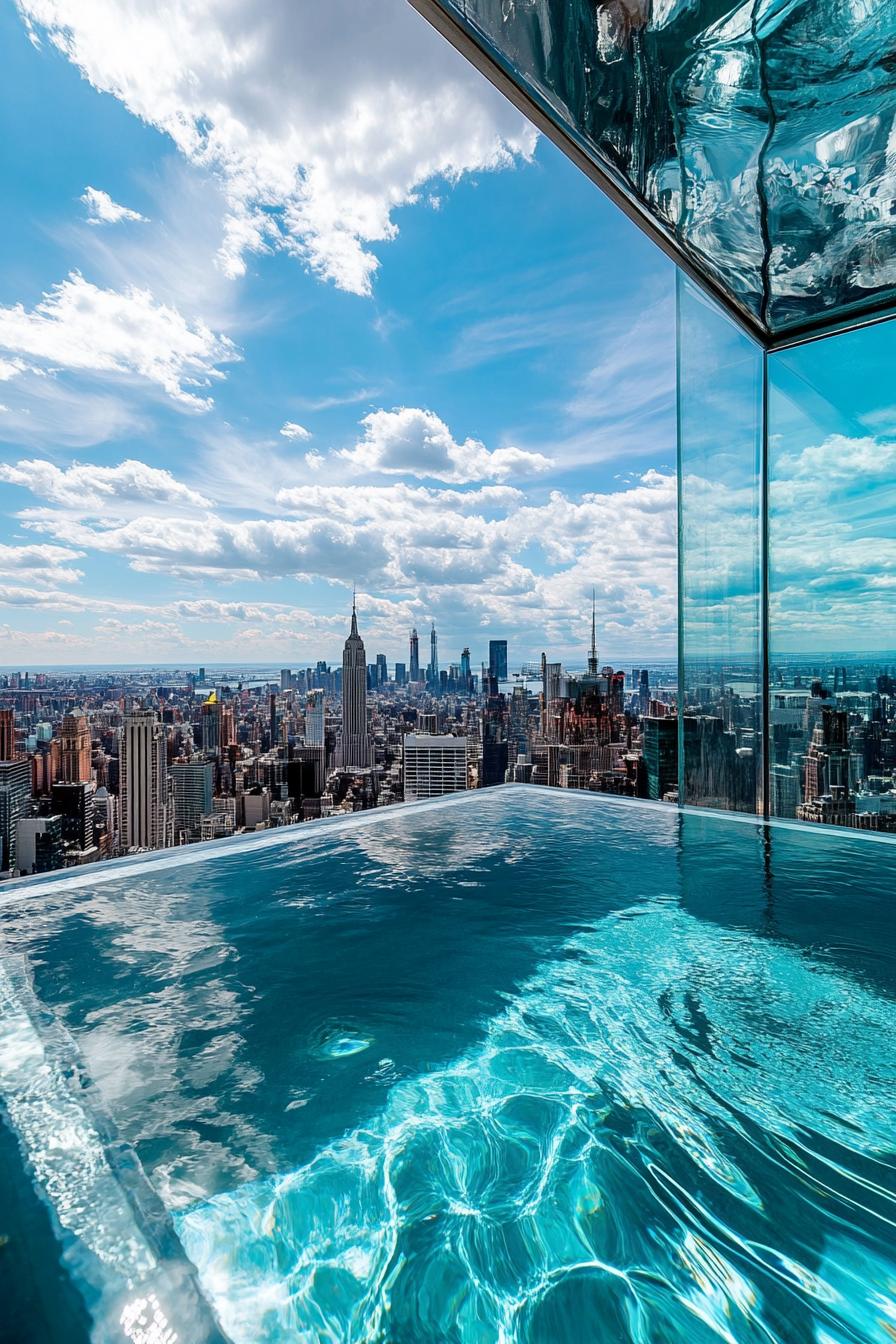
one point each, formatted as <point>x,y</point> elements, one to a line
<point>354,610</point>
<point>592,660</point>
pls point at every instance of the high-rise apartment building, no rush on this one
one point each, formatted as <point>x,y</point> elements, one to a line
<point>355,747</point>
<point>433,766</point>
<point>143,782</point>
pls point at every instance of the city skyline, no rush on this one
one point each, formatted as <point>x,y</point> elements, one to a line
<point>223,404</point>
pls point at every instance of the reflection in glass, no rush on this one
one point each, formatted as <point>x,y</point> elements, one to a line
<point>757,137</point>
<point>720,392</point>
<point>832,580</point>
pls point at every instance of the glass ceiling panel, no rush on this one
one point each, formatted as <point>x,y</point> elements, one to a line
<point>759,137</point>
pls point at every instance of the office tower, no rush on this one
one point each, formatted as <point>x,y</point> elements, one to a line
<point>659,749</point>
<point>382,671</point>
<point>415,657</point>
<point>314,719</point>
<point>143,781</point>
<point>192,788</point>
<point>495,750</point>
<point>644,692</point>
<point>433,766</point>
<point>74,748</point>
<point>827,759</point>
<point>272,712</point>
<point>401,674</point>
<point>497,659</point>
<point>354,750</point>
<point>210,720</point>
<point>434,657</point>
<point>7,735</point>
<point>15,800</point>
<point>551,698</point>
<point>39,847</point>
<point>519,720</point>
<point>73,802</point>
<point>285,678</point>
<point>228,726</point>
<point>202,676</point>
<point>466,677</point>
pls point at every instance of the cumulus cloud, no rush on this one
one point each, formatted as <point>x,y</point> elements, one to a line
<point>78,326</point>
<point>90,489</point>
<point>320,120</point>
<point>101,209</point>
<point>42,563</point>
<point>478,558</point>
<point>256,548</point>
<point>290,430</point>
<point>394,503</point>
<point>414,442</point>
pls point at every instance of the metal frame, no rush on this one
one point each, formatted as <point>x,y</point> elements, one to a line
<point>462,35</point>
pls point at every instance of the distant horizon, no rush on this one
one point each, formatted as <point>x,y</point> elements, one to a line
<point>618,660</point>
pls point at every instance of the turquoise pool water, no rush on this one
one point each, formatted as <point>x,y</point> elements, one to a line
<point>528,1066</point>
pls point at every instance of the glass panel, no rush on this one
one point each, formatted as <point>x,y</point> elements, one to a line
<point>755,135</point>
<point>720,392</point>
<point>832,580</point>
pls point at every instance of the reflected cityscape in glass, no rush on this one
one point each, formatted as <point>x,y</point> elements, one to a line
<point>758,151</point>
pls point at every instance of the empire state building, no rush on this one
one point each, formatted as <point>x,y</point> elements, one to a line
<point>354,750</point>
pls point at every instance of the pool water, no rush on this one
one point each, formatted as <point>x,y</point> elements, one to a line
<point>525,1066</point>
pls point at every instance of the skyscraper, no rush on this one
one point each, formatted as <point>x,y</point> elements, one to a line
<point>193,787</point>
<point>15,799</point>
<point>434,657</point>
<point>210,718</point>
<point>143,782</point>
<point>74,748</point>
<point>415,656</point>
<point>593,670</point>
<point>7,735</point>
<point>497,659</point>
<point>314,719</point>
<point>354,749</point>
<point>465,673</point>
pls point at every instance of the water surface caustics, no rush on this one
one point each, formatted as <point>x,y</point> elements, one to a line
<point>670,1133</point>
<point>519,1069</point>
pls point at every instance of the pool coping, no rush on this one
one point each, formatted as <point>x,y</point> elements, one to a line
<point>13,889</point>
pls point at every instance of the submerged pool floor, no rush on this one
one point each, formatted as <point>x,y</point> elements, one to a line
<point>532,1067</point>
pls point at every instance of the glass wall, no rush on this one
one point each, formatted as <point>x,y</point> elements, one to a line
<point>720,398</point>
<point>832,579</point>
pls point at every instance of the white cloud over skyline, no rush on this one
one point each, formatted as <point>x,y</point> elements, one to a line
<point>414,442</point>
<point>78,326</point>
<point>318,130</point>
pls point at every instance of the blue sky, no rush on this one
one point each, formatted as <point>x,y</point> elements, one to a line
<point>213,231</point>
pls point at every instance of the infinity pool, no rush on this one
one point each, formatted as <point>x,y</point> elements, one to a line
<point>525,1066</point>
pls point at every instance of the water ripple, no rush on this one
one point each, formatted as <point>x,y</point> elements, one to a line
<point>667,1135</point>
